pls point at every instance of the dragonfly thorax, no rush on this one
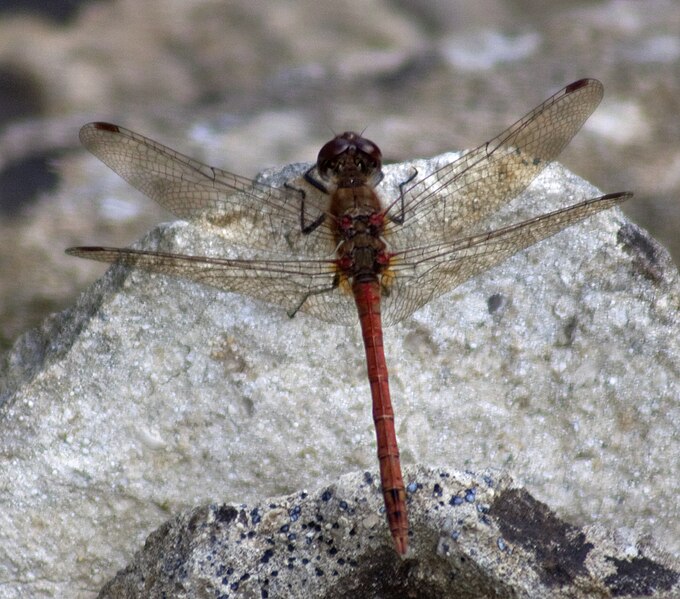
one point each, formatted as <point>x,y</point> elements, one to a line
<point>363,257</point>
<point>351,225</point>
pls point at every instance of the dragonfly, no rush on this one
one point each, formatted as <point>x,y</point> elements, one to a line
<point>330,244</point>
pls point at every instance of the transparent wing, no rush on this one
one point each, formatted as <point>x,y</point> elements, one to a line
<point>424,273</point>
<point>458,195</point>
<point>305,285</point>
<point>431,255</point>
<point>415,277</point>
<point>251,213</point>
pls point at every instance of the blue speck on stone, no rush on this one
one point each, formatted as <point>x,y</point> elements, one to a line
<point>295,513</point>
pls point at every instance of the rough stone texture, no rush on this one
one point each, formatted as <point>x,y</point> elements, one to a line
<point>153,395</point>
<point>99,447</point>
<point>472,536</point>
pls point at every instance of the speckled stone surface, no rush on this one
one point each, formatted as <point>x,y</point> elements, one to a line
<point>472,536</point>
<point>153,395</point>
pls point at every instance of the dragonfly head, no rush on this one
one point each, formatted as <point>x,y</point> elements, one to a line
<point>350,160</point>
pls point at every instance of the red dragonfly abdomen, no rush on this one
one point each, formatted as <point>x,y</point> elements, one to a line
<point>367,299</point>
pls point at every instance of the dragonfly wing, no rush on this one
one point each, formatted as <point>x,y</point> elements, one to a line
<point>303,285</point>
<point>422,274</point>
<point>255,214</point>
<point>477,184</point>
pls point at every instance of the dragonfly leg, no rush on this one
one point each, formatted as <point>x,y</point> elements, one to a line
<point>399,220</point>
<point>332,287</point>
<point>312,180</point>
<point>304,227</point>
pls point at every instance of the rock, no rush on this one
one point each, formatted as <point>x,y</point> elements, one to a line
<point>472,536</point>
<point>154,395</point>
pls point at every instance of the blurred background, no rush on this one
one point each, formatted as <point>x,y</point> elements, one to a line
<point>248,84</point>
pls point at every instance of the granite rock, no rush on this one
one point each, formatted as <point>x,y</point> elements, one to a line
<point>472,536</point>
<point>154,395</point>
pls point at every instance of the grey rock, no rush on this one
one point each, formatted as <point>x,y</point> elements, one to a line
<point>154,395</point>
<point>472,536</point>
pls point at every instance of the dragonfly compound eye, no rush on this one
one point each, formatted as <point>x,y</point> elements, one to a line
<point>332,150</point>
